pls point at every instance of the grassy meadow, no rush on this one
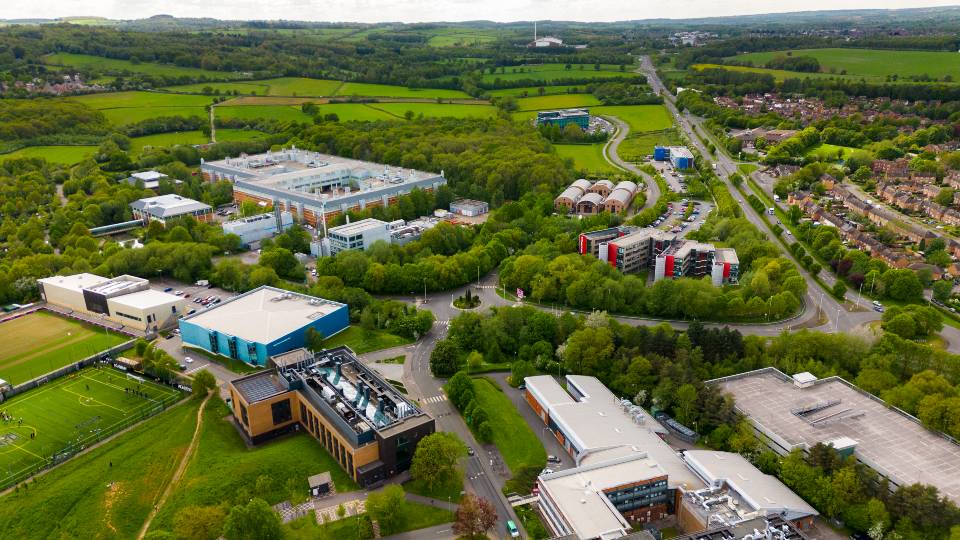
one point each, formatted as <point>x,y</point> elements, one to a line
<point>67,155</point>
<point>553,72</point>
<point>586,157</point>
<point>557,101</point>
<point>874,63</point>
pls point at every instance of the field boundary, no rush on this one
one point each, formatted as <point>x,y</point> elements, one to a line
<point>63,371</point>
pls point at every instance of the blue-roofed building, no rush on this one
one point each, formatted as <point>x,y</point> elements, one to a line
<point>679,156</point>
<point>262,323</point>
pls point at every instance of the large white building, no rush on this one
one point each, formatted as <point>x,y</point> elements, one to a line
<point>358,235</point>
<point>127,300</point>
<point>255,228</point>
<point>166,207</point>
<point>314,186</point>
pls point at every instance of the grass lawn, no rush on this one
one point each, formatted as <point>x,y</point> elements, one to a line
<point>99,63</point>
<point>638,145</point>
<point>448,491</point>
<point>225,470</point>
<point>415,516</point>
<point>88,497</point>
<point>519,446</point>
<point>41,342</point>
<point>747,169</point>
<point>67,155</point>
<point>778,74</point>
<point>829,152</point>
<point>874,63</point>
<point>386,90</point>
<point>234,365</point>
<point>532,523</point>
<point>553,72</point>
<point>557,101</point>
<point>398,110</point>
<point>640,118</point>
<point>70,413</point>
<point>534,91</point>
<point>586,157</point>
<point>364,341</point>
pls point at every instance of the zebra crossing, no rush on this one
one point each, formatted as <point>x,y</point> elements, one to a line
<point>436,399</point>
<point>441,323</point>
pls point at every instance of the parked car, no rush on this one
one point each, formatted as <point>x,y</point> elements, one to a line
<point>168,289</point>
<point>186,295</point>
<point>553,459</point>
<point>178,293</point>
<point>191,312</point>
<point>188,360</point>
<point>470,451</point>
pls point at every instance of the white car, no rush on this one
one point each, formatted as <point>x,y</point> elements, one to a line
<point>188,360</point>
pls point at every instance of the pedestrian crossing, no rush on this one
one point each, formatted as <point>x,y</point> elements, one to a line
<point>436,399</point>
<point>441,323</point>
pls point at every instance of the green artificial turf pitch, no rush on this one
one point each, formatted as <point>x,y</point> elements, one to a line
<point>63,416</point>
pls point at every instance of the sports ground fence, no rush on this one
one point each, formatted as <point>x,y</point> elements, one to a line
<point>9,478</point>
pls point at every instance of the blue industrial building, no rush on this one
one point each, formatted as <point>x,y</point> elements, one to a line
<point>262,323</point>
<point>563,118</point>
<point>680,156</point>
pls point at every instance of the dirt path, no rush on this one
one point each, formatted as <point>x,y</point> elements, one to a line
<point>175,479</point>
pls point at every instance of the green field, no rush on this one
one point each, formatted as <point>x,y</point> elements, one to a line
<point>518,444</point>
<point>386,90</point>
<point>874,62</point>
<point>414,516</point>
<point>224,469</point>
<point>461,37</point>
<point>68,155</point>
<point>137,144</point>
<point>778,74</point>
<point>586,157</point>
<point>638,145</point>
<point>557,101</point>
<point>122,108</point>
<point>260,88</point>
<point>553,72</point>
<point>106,493</point>
<point>362,341</point>
<point>830,152</point>
<point>638,117</point>
<point>70,413</point>
<point>99,63</point>
<point>534,91</point>
<point>40,342</point>
<point>252,112</point>
<point>435,109</point>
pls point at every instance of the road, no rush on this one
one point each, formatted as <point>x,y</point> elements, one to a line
<point>610,152</point>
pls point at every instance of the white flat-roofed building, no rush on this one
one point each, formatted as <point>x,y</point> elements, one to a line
<point>150,179</point>
<point>262,323</point>
<point>166,207</point>
<point>469,207</point>
<point>756,494</point>
<point>127,300</point>
<point>255,228</point>
<point>314,186</point>
<point>358,235</point>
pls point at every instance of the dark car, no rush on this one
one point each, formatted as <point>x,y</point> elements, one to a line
<point>470,451</point>
<point>168,289</point>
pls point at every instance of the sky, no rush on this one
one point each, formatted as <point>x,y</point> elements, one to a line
<point>433,10</point>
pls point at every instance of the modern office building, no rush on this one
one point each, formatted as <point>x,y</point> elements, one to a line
<point>679,156</point>
<point>262,323</point>
<point>565,117</point>
<point>368,427</point>
<point>637,251</point>
<point>801,411</point>
<point>589,243</point>
<point>726,267</point>
<point>688,258</point>
<point>163,208</point>
<point>127,300</point>
<point>469,207</point>
<point>314,187</point>
<point>149,179</point>
<point>255,228</point>
<point>357,235</point>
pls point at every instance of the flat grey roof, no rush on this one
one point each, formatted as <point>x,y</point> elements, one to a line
<point>891,442</point>
<point>264,314</point>
<point>359,226</point>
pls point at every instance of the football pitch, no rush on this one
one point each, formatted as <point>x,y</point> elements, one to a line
<point>64,416</point>
<point>41,342</point>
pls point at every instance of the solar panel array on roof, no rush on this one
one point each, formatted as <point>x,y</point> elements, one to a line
<point>260,387</point>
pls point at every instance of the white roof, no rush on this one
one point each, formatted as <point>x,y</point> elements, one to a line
<point>168,205</point>
<point>146,299</point>
<point>76,282</point>
<point>764,493</point>
<point>264,314</point>
<point>148,175</point>
<point>804,377</point>
<point>359,226</point>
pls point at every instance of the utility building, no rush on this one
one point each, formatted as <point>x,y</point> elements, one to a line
<point>262,323</point>
<point>255,228</point>
<point>679,156</point>
<point>368,427</point>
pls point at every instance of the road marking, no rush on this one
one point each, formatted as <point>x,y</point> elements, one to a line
<point>436,399</point>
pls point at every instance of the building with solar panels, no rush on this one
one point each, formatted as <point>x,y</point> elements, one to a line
<point>262,323</point>
<point>368,427</point>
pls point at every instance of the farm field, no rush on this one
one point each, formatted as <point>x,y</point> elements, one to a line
<point>552,72</point>
<point>874,62</point>
<point>386,90</point>
<point>137,144</point>
<point>558,101</point>
<point>40,342</point>
<point>534,91</point>
<point>260,88</point>
<point>99,63</point>
<point>586,157</point>
<point>780,74</point>
<point>251,112</point>
<point>830,152</point>
<point>68,155</point>
<point>66,415</point>
<point>224,469</point>
<point>436,109</point>
<point>456,37</point>
<point>108,492</point>
<point>123,108</point>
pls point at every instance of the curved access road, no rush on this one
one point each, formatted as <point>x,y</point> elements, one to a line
<point>613,158</point>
